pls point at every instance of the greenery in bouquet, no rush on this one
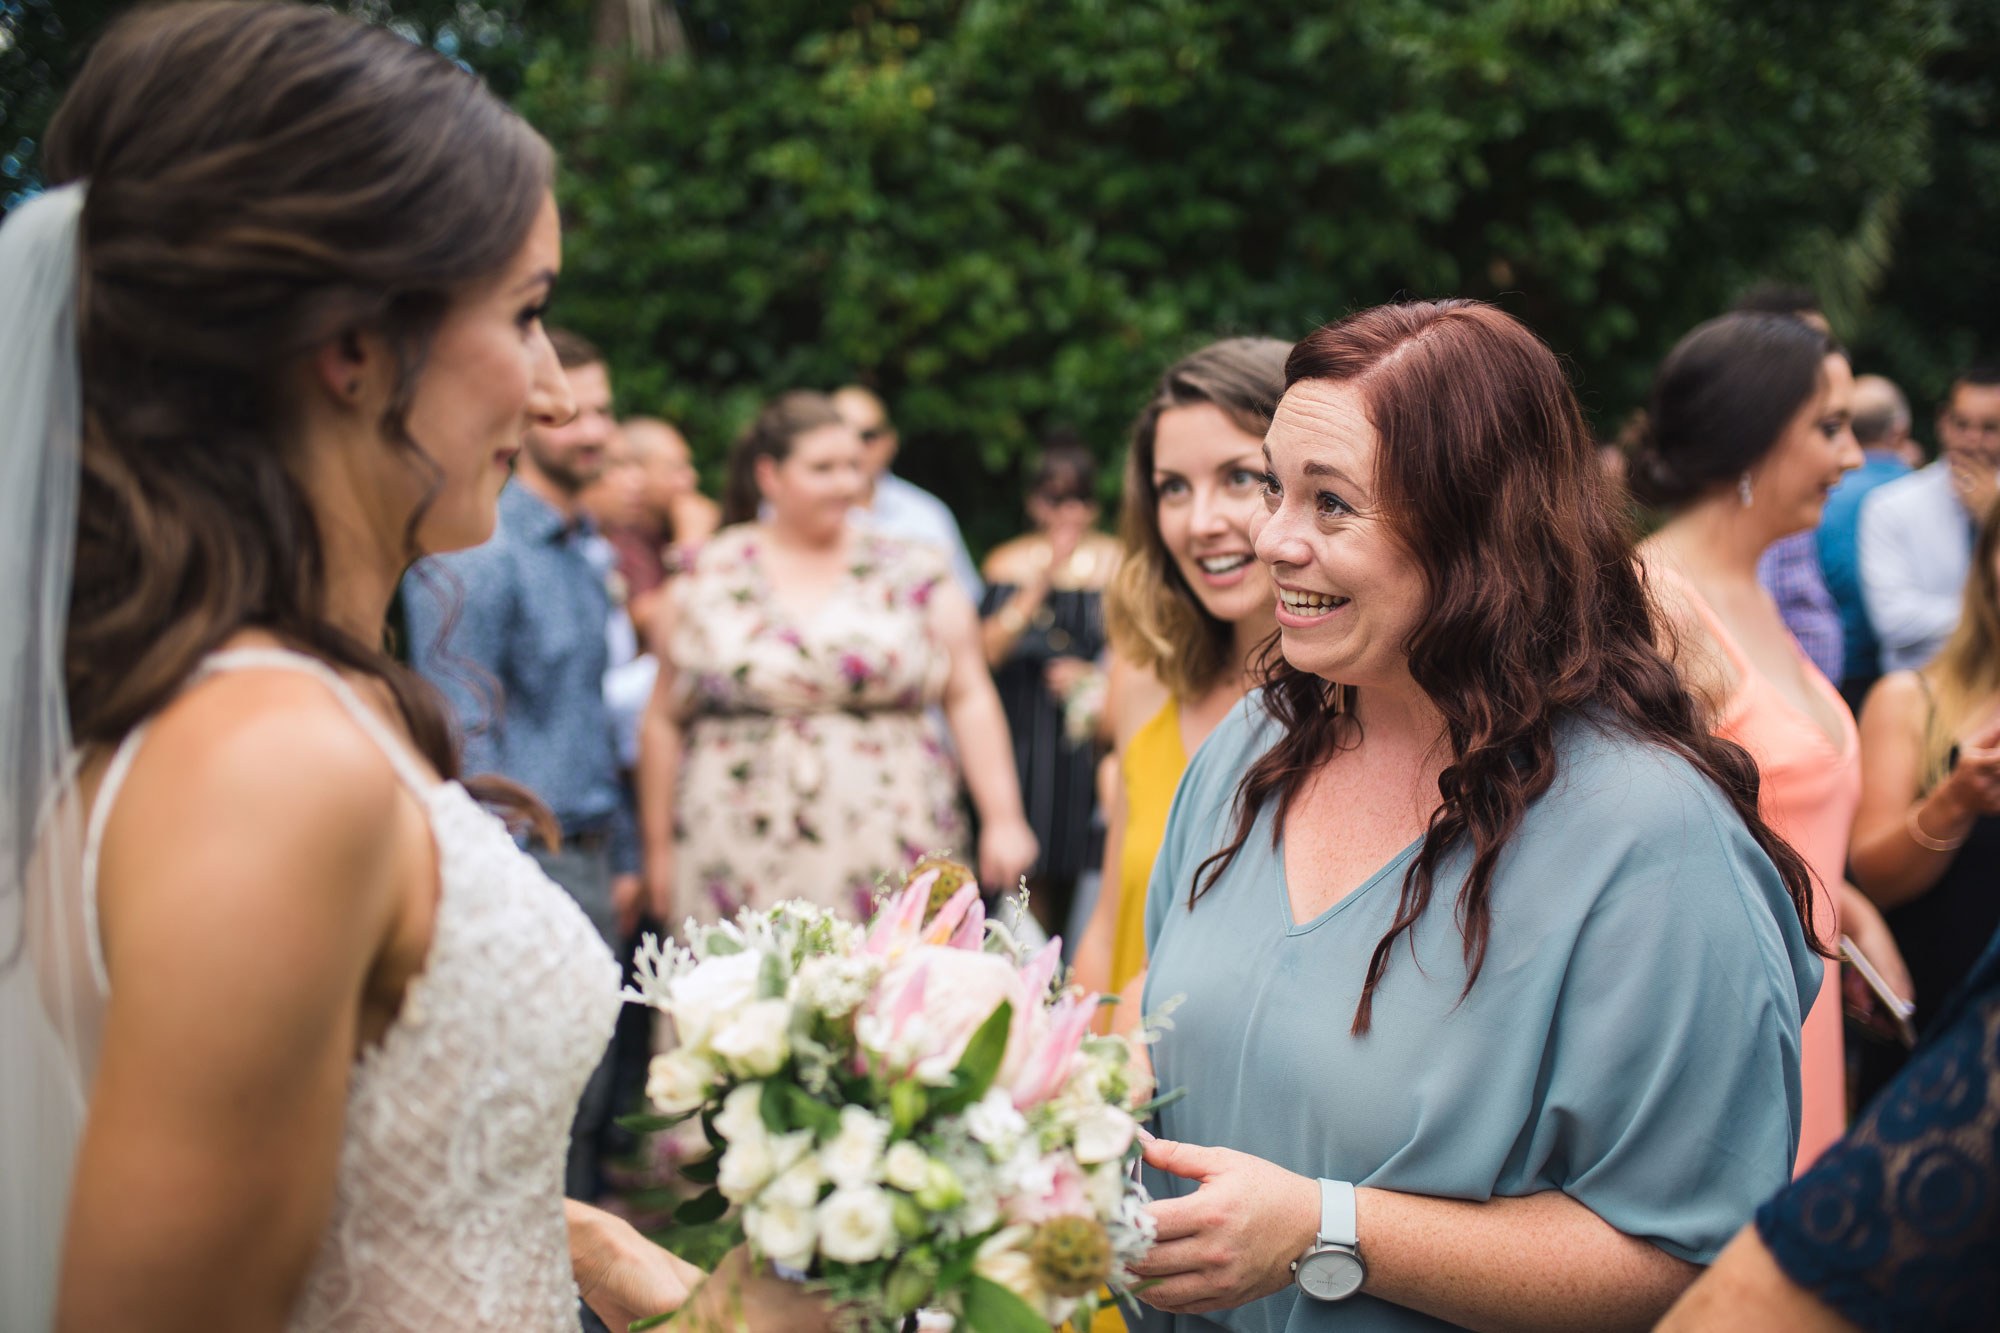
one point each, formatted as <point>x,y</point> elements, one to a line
<point>911,1115</point>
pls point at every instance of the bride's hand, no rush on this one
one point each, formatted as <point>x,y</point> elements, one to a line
<point>620,1274</point>
<point>742,1296</point>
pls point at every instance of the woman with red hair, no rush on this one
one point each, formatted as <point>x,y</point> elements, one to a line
<point>1493,974</point>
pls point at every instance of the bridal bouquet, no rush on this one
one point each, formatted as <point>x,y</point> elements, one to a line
<point>914,1115</point>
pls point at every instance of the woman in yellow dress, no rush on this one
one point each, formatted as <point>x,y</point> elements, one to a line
<point>1187,611</point>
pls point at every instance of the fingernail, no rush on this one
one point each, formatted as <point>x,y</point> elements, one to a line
<point>1147,1136</point>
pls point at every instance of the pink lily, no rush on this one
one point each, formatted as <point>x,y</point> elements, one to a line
<point>900,923</point>
<point>955,908</point>
<point>1040,970</point>
<point>1049,1061</point>
<point>971,932</point>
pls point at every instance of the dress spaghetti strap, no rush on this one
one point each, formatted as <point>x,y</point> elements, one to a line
<point>237,659</point>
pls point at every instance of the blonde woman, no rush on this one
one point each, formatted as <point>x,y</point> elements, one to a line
<point>1187,611</point>
<point>1926,842</point>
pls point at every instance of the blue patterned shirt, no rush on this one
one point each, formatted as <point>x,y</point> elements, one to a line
<point>524,614</point>
<point>1789,571</point>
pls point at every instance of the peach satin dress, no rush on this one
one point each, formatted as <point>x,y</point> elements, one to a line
<point>1809,791</point>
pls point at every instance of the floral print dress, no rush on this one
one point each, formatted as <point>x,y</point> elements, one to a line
<point>811,767</point>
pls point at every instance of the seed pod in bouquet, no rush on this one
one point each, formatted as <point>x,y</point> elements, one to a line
<point>952,876</point>
<point>1071,1255</point>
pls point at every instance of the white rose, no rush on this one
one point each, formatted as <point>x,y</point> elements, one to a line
<point>711,993</point>
<point>1102,1133</point>
<point>746,1165</point>
<point>757,1040</point>
<point>1105,1187</point>
<point>994,1122</point>
<point>854,1156</point>
<point>856,1224</point>
<point>678,1081</point>
<point>797,1186</point>
<point>783,1230</point>
<point>742,1115</point>
<point>905,1166</point>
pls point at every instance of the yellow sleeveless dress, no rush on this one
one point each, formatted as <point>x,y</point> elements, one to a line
<point>1151,769</point>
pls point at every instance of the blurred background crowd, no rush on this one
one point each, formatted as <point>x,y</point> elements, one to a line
<point>875,316</point>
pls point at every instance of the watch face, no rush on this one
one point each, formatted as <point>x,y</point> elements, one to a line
<point>1330,1275</point>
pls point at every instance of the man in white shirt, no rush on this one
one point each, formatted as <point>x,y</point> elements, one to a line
<point>1916,532</point>
<point>895,506</point>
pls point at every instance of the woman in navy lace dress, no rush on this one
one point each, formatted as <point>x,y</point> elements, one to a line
<point>1897,1226</point>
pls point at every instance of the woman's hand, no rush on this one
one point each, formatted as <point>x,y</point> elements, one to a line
<point>1862,923</point>
<point>1007,848</point>
<point>1235,1238</point>
<point>1064,674</point>
<point>1974,782</point>
<point>619,1273</point>
<point>742,1296</point>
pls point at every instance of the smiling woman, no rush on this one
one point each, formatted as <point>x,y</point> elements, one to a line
<point>1575,1088</point>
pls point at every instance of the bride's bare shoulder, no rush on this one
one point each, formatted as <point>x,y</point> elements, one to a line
<point>255,798</point>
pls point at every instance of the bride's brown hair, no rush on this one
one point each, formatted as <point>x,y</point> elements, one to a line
<point>1536,611</point>
<point>263,178</point>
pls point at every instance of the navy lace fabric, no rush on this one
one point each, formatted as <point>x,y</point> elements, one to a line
<point>1897,1226</point>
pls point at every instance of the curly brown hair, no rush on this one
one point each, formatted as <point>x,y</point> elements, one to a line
<point>1536,611</point>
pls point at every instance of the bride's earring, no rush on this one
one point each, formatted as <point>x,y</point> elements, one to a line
<point>1743,489</point>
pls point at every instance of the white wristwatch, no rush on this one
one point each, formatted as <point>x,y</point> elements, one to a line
<point>1332,1269</point>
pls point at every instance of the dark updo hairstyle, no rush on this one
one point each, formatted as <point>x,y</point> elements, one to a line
<point>1720,401</point>
<point>1155,619</point>
<point>263,179</point>
<point>771,436</point>
<point>1064,470</point>
<point>1534,614</point>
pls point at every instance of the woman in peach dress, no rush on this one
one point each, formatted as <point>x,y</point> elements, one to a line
<point>1747,432</point>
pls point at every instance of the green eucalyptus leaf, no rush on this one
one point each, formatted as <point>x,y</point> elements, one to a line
<point>991,1308</point>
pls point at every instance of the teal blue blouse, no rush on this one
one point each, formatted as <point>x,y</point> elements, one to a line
<point>1632,1040</point>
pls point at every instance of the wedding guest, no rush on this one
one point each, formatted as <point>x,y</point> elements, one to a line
<point>1789,569</point>
<point>1926,844</point>
<point>896,507</point>
<point>1491,971</point>
<point>513,633</point>
<point>1881,424</point>
<point>1042,628</point>
<point>787,752</point>
<point>1747,432</point>
<point>1187,610</point>
<point>685,516</point>
<point>1915,535</point>
<point>274,331</point>
<point>1895,1229</point>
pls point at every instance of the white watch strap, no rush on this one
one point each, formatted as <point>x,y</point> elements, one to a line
<point>1336,1213</point>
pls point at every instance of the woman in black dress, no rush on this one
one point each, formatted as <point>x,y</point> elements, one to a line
<point>1926,842</point>
<point>1042,622</point>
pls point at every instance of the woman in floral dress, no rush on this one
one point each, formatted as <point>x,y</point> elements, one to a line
<point>791,750</point>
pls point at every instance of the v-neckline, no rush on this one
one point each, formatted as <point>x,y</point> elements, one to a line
<point>1840,744</point>
<point>1294,926</point>
<point>840,588</point>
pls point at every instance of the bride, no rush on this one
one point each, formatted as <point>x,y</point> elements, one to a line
<point>290,1031</point>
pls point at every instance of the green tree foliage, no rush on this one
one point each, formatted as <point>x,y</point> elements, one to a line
<point>1938,304</point>
<point>1009,216</point>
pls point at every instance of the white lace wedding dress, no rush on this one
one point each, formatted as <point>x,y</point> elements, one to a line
<point>448,1209</point>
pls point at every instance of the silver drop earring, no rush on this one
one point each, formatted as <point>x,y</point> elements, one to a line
<point>1743,489</point>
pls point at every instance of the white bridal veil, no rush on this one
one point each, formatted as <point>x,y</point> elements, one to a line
<point>49,1006</point>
